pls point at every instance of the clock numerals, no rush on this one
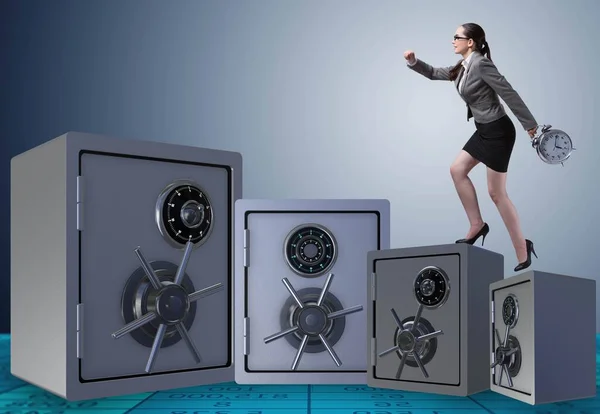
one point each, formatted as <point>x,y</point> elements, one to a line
<point>554,146</point>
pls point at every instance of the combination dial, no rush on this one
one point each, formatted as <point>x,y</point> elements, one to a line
<point>184,213</point>
<point>310,250</point>
<point>432,287</point>
<point>510,311</point>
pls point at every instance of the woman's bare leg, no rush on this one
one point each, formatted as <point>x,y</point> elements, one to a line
<point>497,189</point>
<point>459,170</point>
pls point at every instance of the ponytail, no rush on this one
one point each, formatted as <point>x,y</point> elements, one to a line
<point>485,49</point>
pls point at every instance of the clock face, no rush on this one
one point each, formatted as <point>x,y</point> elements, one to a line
<point>555,146</point>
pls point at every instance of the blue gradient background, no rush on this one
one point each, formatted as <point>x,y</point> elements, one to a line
<point>317,98</point>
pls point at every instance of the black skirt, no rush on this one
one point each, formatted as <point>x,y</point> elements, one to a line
<point>492,143</point>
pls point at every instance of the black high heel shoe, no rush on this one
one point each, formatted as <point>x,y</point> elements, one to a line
<point>527,263</point>
<point>481,233</point>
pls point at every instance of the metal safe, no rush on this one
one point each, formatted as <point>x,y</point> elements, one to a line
<point>122,265</point>
<point>427,315</point>
<point>301,288</point>
<point>531,359</point>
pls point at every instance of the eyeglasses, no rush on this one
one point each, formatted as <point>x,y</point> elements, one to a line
<point>460,38</point>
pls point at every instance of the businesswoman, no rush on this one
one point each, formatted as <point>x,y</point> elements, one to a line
<point>479,84</point>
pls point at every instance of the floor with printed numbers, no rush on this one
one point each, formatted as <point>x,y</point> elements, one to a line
<point>17,397</point>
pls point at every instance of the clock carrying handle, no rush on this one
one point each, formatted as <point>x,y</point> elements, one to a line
<point>542,129</point>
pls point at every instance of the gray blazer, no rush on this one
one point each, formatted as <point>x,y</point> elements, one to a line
<point>480,91</point>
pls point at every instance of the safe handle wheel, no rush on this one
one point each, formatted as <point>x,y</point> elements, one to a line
<point>148,317</point>
<point>502,355</point>
<point>321,311</point>
<point>410,342</point>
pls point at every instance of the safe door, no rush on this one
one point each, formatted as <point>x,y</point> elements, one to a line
<point>417,319</point>
<point>512,337</point>
<point>154,267</point>
<point>305,288</point>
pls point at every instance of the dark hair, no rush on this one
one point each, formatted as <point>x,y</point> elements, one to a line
<point>477,34</point>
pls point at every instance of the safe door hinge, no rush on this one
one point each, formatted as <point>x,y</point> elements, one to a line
<point>246,332</point>
<point>246,248</point>
<point>373,287</point>
<point>373,352</point>
<point>80,331</point>
<point>492,311</point>
<point>80,198</point>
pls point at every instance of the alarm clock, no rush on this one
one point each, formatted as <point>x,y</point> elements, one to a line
<point>553,146</point>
